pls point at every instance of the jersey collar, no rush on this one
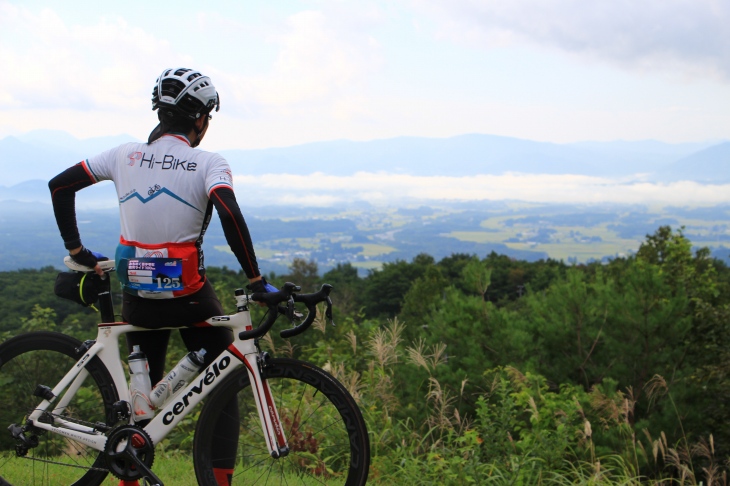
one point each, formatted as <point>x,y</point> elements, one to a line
<point>178,136</point>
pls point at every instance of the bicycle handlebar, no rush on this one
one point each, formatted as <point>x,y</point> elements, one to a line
<point>287,294</point>
<point>310,301</point>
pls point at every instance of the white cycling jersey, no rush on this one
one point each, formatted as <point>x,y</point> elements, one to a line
<point>163,190</point>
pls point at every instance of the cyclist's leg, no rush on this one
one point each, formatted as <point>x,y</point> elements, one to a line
<point>179,312</point>
<point>154,345</point>
<point>328,441</point>
<point>158,313</point>
<point>215,340</point>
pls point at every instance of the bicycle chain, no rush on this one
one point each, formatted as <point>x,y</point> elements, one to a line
<point>44,418</point>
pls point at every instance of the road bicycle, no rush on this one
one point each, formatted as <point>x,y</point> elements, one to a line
<point>66,405</point>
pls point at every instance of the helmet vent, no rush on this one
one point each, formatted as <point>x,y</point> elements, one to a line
<point>172,88</point>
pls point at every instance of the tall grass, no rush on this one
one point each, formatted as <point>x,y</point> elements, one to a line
<point>522,433</point>
<point>518,431</point>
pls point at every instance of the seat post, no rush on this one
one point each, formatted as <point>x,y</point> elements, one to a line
<point>106,305</point>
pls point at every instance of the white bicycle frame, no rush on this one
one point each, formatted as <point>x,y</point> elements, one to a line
<point>106,348</point>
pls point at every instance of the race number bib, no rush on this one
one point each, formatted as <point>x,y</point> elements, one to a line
<point>154,274</point>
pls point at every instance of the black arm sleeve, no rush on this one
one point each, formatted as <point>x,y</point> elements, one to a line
<point>63,195</point>
<point>235,229</point>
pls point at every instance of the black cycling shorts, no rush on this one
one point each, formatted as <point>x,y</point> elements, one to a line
<point>179,312</point>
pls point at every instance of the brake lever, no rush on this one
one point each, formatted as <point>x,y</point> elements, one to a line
<point>328,311</point>
<point>291,313</point>
<point>290,309</point>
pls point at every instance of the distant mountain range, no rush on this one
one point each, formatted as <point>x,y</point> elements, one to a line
<point>42,154</point>
<point>468,155</point>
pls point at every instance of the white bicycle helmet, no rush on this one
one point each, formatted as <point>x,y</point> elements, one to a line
<point>184,92</point>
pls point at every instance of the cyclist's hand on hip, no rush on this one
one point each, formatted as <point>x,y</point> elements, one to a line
<point>84,256</point>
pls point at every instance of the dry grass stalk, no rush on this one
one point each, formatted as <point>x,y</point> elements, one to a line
<point>618,409</point>
<point>438,355</point>
<point>711,474</point>
<point>352,338</point>
<point>628,406</point>
<point>418,356</point>
<point>643,451</point>
<point>319,323</point>
<point>351,380</point>
<point>587,430</point>
<point>268,343</point>
<point>656,388</point>
<point>515,374</point>
<point>288,348</point>
<point>702,449</point>
<point>383,389</point>
<point>384,343</point>
<point>678,458</point>
<point>655,444</point>
<point>442,406</point>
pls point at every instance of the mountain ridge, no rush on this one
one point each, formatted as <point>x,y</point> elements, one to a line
<point>49,152</point>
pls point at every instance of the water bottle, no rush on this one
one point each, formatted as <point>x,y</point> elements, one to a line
<point>177,378</point>
<point>139,386</point>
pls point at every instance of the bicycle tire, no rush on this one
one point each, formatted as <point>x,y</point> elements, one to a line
<point>43,358</point>
<point>327,435</point>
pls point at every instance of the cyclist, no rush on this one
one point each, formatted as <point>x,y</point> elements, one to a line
<point>167,189</point>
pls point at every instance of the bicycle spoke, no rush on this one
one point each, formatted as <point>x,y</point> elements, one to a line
<point>42,358</point>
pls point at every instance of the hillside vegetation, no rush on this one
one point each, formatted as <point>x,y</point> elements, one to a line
<point>476,369</point>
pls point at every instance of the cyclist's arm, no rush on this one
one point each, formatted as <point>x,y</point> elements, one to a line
<point>236,230</point>
<point>63,196</point>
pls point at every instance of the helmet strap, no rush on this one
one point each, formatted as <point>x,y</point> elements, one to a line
<point>157,132</point>
<point>198,138</point>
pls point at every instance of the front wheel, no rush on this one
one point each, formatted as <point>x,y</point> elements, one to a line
<point>43,358</point>
<point>328,440</point>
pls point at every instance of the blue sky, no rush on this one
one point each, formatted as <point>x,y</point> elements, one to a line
<point>291,72</point>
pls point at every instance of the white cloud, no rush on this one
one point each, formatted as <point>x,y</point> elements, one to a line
<point>321,65</point>
<point>316,66</point>
<point>382,188</point>
<point>55,64</point>
<point>685,36</point>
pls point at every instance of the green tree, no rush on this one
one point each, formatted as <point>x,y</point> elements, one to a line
<point>385,288</point>
<point>303,273</point>
<point>347,289</point>
<point>568,325</point>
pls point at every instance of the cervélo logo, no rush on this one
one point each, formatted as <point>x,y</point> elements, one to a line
<point>211,374</point>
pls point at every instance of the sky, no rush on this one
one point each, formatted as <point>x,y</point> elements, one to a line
<point>292,72</point>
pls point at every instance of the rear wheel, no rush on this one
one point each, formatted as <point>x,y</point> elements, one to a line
<point>328,440</point>
<point>43,358</point>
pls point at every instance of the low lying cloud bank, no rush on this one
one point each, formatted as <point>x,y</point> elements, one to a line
<point>320,189</point>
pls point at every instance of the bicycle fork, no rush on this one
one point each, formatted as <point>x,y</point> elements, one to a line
<point>268,414</point>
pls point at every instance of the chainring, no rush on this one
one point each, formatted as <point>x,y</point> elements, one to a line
<point>126,442</point>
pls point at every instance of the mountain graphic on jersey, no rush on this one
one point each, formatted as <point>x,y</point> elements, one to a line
<point>155,192</point>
